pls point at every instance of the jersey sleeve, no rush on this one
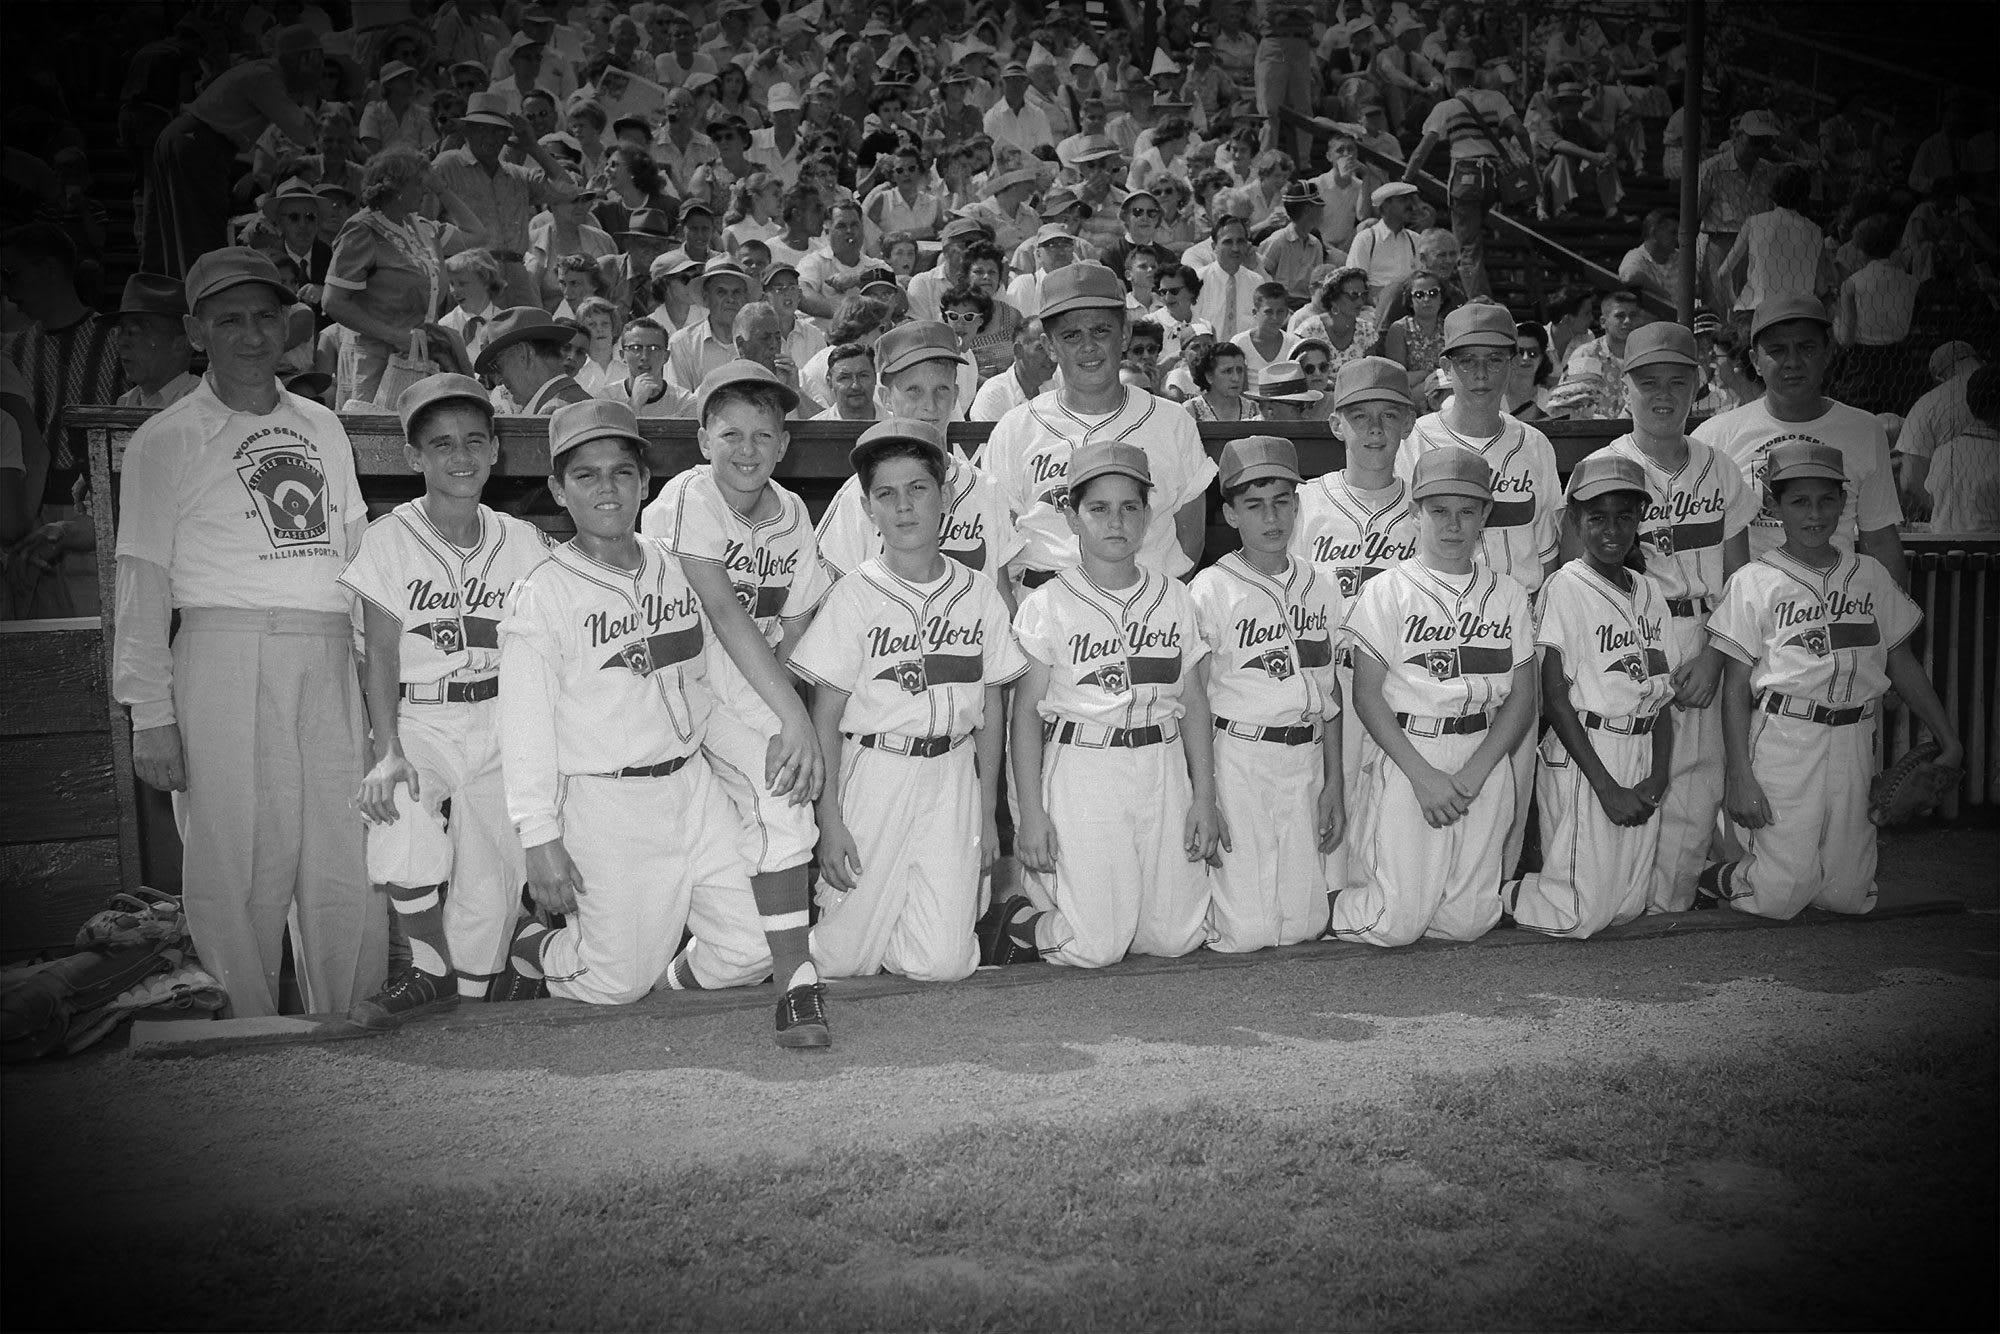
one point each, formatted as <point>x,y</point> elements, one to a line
<point>1003,657</point>
<point>845,534</point>
<point>1895,612</point>
<point>811,580</point>
<point>1738,627</point>
<point>1004,542</point>
<point>1877,505</point>
<point>1035,628</point>
<point>1553,619</point>
<point>1206,591</point>
<point>691,523</point>
<point>1518,607</point>
<point>1005,459</point>
<point>1190,619</point>
<point>1438,122</point>
<point>1371,623</point>
<point>1739,503</point>
<point>1548,485</point>
<point>366,575</point>
<point>530,679</point>
<point>829,653</point>
<point>1189,468</point>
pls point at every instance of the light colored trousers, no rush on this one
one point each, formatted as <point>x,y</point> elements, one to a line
<point>270,716</point>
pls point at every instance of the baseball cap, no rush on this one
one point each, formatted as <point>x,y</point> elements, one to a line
<point>232,266</point>
<point>694,206</point>
<point>1393,190</point>
<point>440,389</point>
<point>775,268</point>
<point>1793,306</point>
<point>1795,459</point>
<point>896,431</point>
<point>575,424</point>
<point>913,344</point>
<point>1661,343</point>
<point>1372,380</point>
<point>1285,382</point>
<point>518,324</point>
<point>1451,470</point>
<point>722,266</point>
<point>1081,287</point>
<point>1946,360</point>
<point>1258,458</point>
<point>740,372</point>
<point>1014,69</point>
<point>675,263</point>
<point>1758,124</point>
<point>1105,457</point>
<point>783,97</point>
<point>1054,233</point>
<point>1300,192</point>
<point>963,229</point>
<point>1478,324</point>
<point>395,69</point>
<point>1602,474</point>
<point>153,294</point>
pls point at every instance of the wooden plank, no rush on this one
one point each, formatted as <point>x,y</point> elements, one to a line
<point>52,679</point>
<point>48,890</point>
<point>58,787</point>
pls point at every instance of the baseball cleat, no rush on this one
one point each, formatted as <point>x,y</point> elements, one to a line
<point>513,985</point>
<point>1708,887</point>
<point>412,993</point>
<point>802,1017</point>
<point>997,944</point>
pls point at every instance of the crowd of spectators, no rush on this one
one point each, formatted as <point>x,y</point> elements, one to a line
<point>672,186</point>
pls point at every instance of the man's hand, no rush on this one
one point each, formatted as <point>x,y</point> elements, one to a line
<point>158,759</point>
<point>553,880</point>
<point>524,133</point>
<point>792,764</point>
<point>42,548</point>
<point>787,369</point>
<point>1695,682</point>
<point>1205,834</point>
<point>377,798</point>
<point>839,859</point>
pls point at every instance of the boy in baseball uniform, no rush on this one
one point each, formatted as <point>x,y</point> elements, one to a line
<point>1523,532</point>
<point>1354,524</point>
<point>1444,663</point>
<point>907,658</point>
<point>432,577</point>
<point>1269,621</point>
<point>918,370</point>
<point>747,546</point>
<point>1813,635</point>
<point>1694,535</point>
<point>1606,681</point>
<point>1114,759</point>
<point>603,710</point>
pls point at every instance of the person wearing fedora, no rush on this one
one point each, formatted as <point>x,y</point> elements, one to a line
<point>1282,393</point>
<point>524,352</point>
<point>295,207</point>
<point>705,344</point>
<point>1014,121</point>
<point>1293,253</point>
<point>153,346</point>
<point>647,235</point>
<point>189,184</point>
<point>238,507</point>
<point>503,195</point>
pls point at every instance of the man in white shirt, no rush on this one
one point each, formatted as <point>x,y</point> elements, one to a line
<point>1385,247</point>
<point>238,509</point>
<point>1029,375</point>
<point>1013,120</point>
<point>1054,249</point>
<point>711,343</point>
<point>1940,415</point>
<point>1229,285</point>
<point>672,66</point>
<point>1791,341</point>
<point>153,347</point>
<point>927,289</point>
<point>1344,190</point>
<point>834,271</point>
<point>1651,265</point>
<point>850,379</point>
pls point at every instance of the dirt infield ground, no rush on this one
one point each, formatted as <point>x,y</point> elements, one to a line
<point>521,1121</point>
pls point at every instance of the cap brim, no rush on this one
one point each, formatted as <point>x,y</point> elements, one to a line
<point>1803,472</point>
<point>917,357</point>
<point>285,294</point>
<point>1374,394</point>
<point>863,450</point>
<point>1077,482</point>
<point>1451,486</point>
<point>608,433</point>
<point>484,118</point>
<point>1481,338</point>
<point>1263,472</point>
<point>1304,396</point>
<point>1756,330</point>
<point>1665,356</point>
<point>1079,303</point>
<point>1605,486</point>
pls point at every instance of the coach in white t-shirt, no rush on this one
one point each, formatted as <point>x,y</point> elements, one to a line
<point>1791,341</point>
<point>238,508</point>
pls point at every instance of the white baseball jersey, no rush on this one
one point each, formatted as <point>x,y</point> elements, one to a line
<point>1822,635</point>
<point>1352,534</point>
<point>449,600</point>
<point>1525,528</point>
<point>601,669</point>
<point>1116,658</point>
<point>773,566</point>
<point>1747,434</point>
<point>1271,637</point>
<point>1615,646</point>
<point>914,659</point>
<point>241,510</point>
<point>1028,454</point>
<point>1693,512</point>
<point>978,532</point>
<point>1450,642</point>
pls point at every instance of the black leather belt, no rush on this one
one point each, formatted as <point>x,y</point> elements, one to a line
<point>660,770</point>
<point>1687,606</point>
<point>1786,706</point>
<point>918,747</point>
<point>455,692</point>
<point>1036,578</point>
<point>1466,726</point>
<point>1284,736</point>
<point>1130,738</point>
<point>1622,726</point>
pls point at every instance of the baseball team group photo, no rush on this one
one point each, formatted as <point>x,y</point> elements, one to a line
<point>893,665</point>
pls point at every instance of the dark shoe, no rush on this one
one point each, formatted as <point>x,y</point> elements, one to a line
<point>802,1017</point>
<point>997,944</point>
<point>413,992</point>
<point>1708,887</point>
<point>512,984</point>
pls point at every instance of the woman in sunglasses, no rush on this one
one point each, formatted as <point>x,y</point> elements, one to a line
<point>904,202</point>
<point>1339,315</point>
<point>1415,336</point>
<point>1531,376</point>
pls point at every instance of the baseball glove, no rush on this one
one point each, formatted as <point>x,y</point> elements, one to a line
<point>1912,785</point>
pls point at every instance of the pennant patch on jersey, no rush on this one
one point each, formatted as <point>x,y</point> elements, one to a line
<point>1275,663</point>
<point>643,657</point>
<point>972,557</point>
<point>917,675</point>
<point>1814,641</point>
<point>1463,660</point>
<point>1512,513</point>
<point>1057,496</point>
<point>1111,676</point>
<point>1353,577</point>
<point>1854,634</point>
<point>1315,652</point>
<point>452,634</point>
<point>1155,670</point>
<point>761,601</point>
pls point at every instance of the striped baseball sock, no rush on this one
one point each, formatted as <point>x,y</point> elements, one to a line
<point>475,986</point>
<point>781,902</point>
<point>420,910</point>
<point>1022,928</point>
<point>526,951</point>
<point>681,976</point>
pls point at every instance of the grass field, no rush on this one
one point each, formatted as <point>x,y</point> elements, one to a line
<point>1810,1189</point>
